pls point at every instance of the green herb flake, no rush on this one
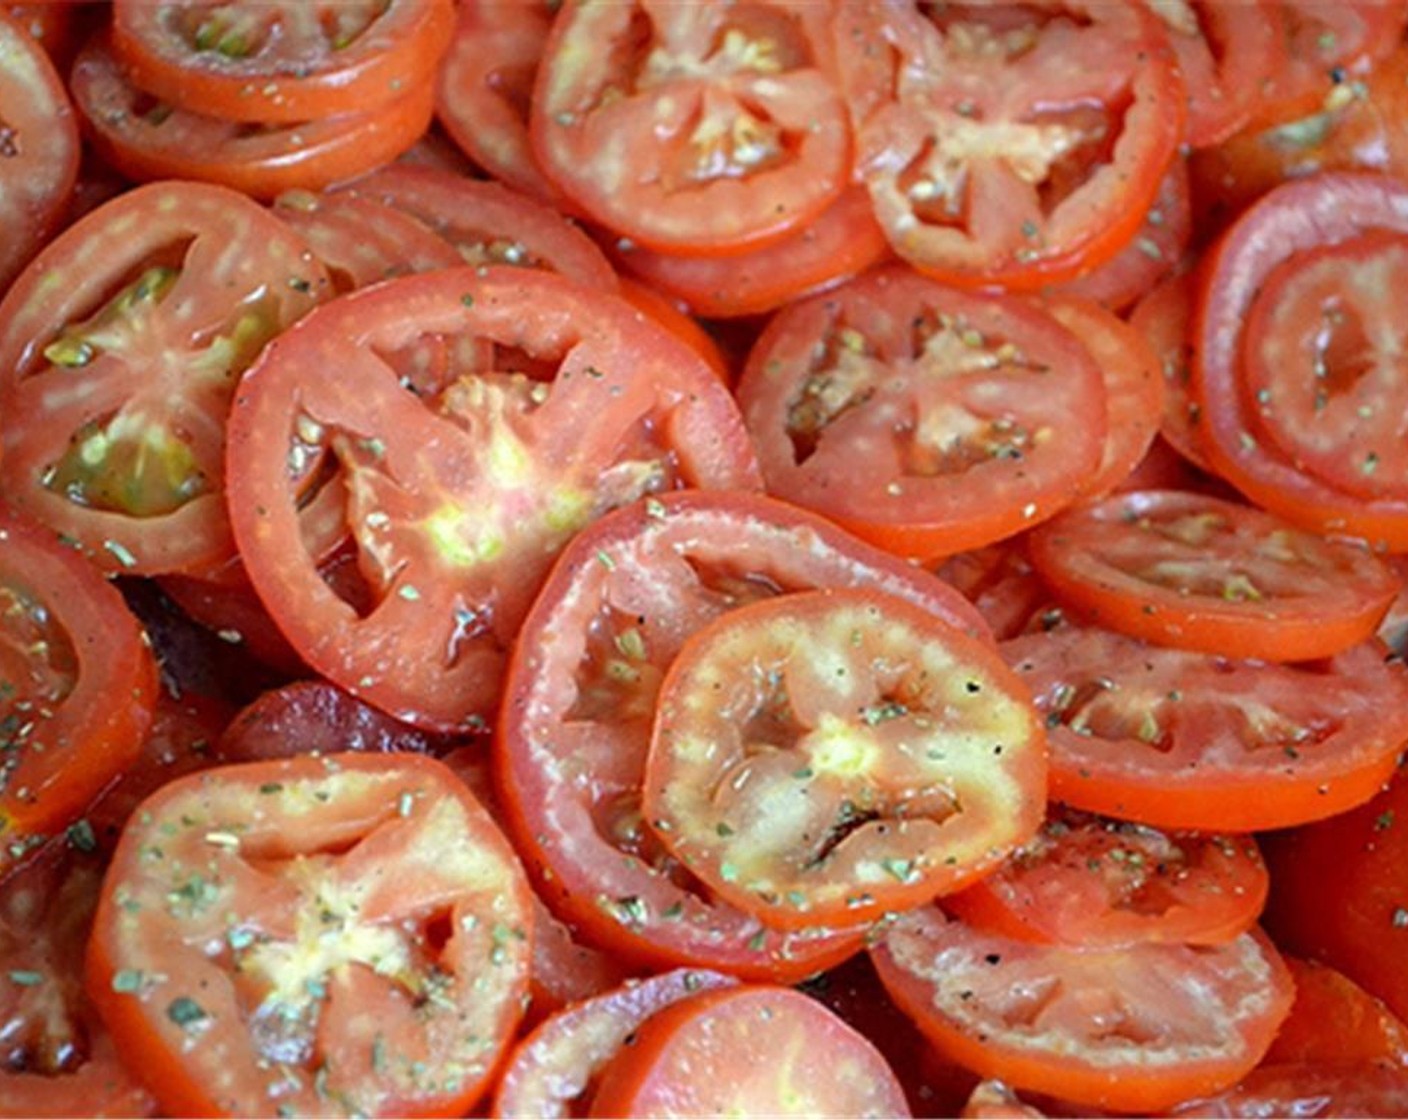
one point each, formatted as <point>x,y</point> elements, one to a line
<point>127,981</point>
<point>186,1012</point>
<point>26,978</point>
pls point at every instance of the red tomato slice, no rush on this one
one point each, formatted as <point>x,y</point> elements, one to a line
<point>704,128</point>
<point>552,1072</point>
<point>1089,882</point>
<point>678,322</point>
<point>925,419</point>
<point>828,757</point>
<point>153,304</point>
<point>1310,1089</point>
<point>350,927</point>
<point>1333,1019</point>
<point>999,580</point>
<point>1002,147</point>
<point>699,1057</point>
<point>1177,739</point>
<point>224,603</point>
<point>77,686</point>
<point>574,730</point>
<point>1134,1029</point>
<point>1163,318</point>
<point>264,62</point>
<point>995,1100</point>
<point>166,140</point>
<point>1196,572</point>
<point>38,148</point>
<point>458,498</point>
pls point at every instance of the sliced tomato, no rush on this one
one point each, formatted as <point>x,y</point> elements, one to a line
<point>1333,1019</point>
<point>224,603</point>
<point>147,139</point>
<point>553,1070</point>
<point>1178,739</point>
<point>77,687</point>
<point>351,927</point>
<point>1000,582</point>
<point>1134,1029</point>
<point>153,304</point>
<point>1196,572</point>
<point>263,62</point>
<point>827,757</point>
<point>1008,147</point>
<point>996,1100</point>
<point>678,322</point>
<point>1310,1089</point>
<point>39,148</point>
<point>457,493</point>
<point>923,418</point>
<point>698,1057</point>
<point>705,128</point>
<point>1163,317</point>
<point>1086,881</point>
<point>574,730</point>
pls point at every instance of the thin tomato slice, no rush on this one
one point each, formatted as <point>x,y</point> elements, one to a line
<point>350,927</point>
<point>1178,739</point>
<point>1135,1029</point>
<point>266,63</point>
<point>827,757</point>
<point>1193,571</point>
<point>1085,881</point>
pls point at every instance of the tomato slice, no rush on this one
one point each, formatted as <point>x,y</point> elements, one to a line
<point>1333,1019</point>
<point>223,602</point>
<point>704,128</point>
<point>925,419</point>
<point>351,928</point>
<point>1163,317</point>
<point>77,686</point>
<point>1185,740</point>
<point>574,730</point>
<point>552,1072</point>
<point>265,63</point>
<point>995,1100</point>
<point>1310,1089</point>
<point>1085,881</point>
<point>1134,1029</point>
<point>1196,572</point>
<point>458,493</point>
<point>39,148</point>
<point>154,304</point>
<point>668,314</point>
<point>1008,147</point>
<point>698,1057</point>
<point>827,757</point>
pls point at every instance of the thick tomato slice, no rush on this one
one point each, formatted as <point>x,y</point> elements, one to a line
<point>827,757</point>
<point>1133,1029</point>
<point>350,928</point>
<point>77,686</point>
<point>166,140</point>
<point>699,1057</point>
<point>38,148</point>
<point>153,304</point>
<point>458,491</point>
<point>1179,739</point>
<point>1093,882</point>
<point>704,128</point>
<point>553,1071</point>
<point>1196,572</point>
<point>269,63</point>
<point>925,419</point>
<point>1009,147</point>
<point>574,730</point>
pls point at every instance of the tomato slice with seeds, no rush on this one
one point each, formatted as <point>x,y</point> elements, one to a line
<point>703,128</point>
<point>280,62</point>
<point>350,927</point>
<point>1179,739</point>
<point>1163,317</point>
<point>827,757</point>
<point>1196,572</point>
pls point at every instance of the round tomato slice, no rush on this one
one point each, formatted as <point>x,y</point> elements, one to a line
<point>1335,1020</point>
<point>574,730</point>
<point>1134,1029</point>
<point>77,686</point>
<point>1008,147</point>
<point>1179,739</point>
<point>120,346</point>
<point>349,928</point>
<point>1085,881</point>
<point>925,419</point>
<point>274,63</point>
<point>1163,318</point>
<point>1193,571</point>
<point>457,494</point>
<point>39,148</point>
<point>1310,1089</point>
<point>827,757</point>
<point>704,128</point>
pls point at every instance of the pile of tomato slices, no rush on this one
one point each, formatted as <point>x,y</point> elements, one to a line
<point>552,550</point>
